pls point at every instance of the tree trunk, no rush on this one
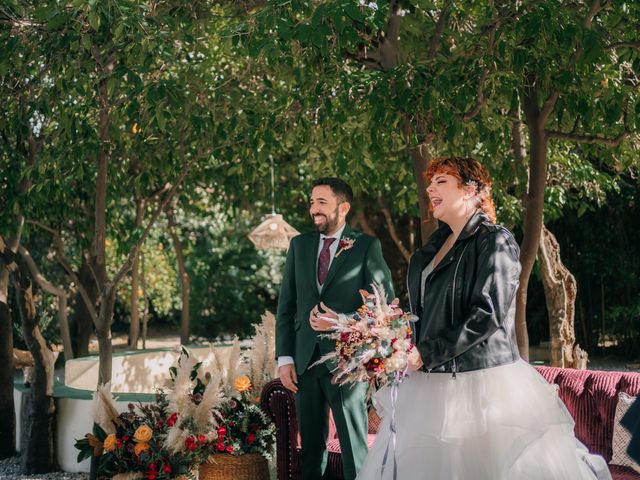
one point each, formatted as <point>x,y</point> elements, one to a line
<point>134,330</point>
<point>81,319</point>
<point>103,332</point>
<point>533,207</point>
<point>145,311</point>
<point>38,455</point>
<point>560,290</point>
<point>7,407</point>
<point>8,420</point>
<point>185,282</point>
<point>420,159</point>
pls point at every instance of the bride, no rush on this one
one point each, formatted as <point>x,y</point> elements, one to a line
<point>471,409</point>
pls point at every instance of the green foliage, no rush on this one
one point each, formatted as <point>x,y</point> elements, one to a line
<point>232,283</point>
<point>159,268</point>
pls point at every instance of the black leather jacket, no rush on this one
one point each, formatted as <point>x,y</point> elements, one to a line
<point>468,320</point>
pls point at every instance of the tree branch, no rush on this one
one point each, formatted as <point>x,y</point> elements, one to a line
<point>437,35</point>
<point>548,106</point>
<point>59,292</point>
<point>394,234</point>
<point>551,100</point>
<point>622,45</point>
<point>124,269</point>
<point>360,221</point>
<point>480,100</point>
<point>387,54</point>
<point>62,258</point>
<point>588,139</point>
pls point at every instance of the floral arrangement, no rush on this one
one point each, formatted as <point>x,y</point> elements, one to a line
<point>197,415</point>
<point>243,426</point>
<point>131,444</point>
<point>373,344</point>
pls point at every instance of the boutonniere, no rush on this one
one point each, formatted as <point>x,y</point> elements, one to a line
<point>345,244</point>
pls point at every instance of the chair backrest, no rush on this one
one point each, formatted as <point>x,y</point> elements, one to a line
<point>591,397</point>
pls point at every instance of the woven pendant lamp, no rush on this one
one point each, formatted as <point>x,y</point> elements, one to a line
<point>273,232</point>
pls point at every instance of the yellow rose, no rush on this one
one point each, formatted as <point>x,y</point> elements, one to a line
<point>110,442</point>
<point>143,434</point>
<point>242,384</point>
<point>140,447</point>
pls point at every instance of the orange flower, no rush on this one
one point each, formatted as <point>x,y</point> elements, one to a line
<point>110,442</point>
<point>140,447</point>
<point>242,384</point>
<point>143,434</point>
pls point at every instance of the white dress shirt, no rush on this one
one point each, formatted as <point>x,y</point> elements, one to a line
<point>287,360</point>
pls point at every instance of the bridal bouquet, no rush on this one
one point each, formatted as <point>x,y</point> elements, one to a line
<point>373,344</point>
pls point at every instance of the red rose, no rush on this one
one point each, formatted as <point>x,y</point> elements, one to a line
<point>222,432</point>
<point>171,421</point>
<point>152,475</point>
<point>166,468</point>
<point>229,449</point>
<point>190,443</point>
<point>231,424</point>
<point>220,446</point>
<point>251,438</point>
<point>202,439</point>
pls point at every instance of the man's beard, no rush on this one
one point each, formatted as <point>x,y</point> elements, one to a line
<point>330,224</point>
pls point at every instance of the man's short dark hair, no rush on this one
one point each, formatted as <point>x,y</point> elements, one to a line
<point>340,188</point>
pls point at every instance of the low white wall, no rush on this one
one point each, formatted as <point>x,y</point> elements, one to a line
<point>134,372</point>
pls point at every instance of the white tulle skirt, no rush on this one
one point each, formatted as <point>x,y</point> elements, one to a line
<point>501,423</point>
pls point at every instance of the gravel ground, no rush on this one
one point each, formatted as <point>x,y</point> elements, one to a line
<point>10,468</point>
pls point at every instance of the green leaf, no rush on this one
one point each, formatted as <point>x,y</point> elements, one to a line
<point>160,119</point>
<point>352,10</point>
<point>94,20</point>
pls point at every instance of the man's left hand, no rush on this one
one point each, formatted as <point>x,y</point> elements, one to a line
<point>321,318</point>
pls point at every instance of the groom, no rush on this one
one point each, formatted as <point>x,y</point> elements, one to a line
<point>326,266</point>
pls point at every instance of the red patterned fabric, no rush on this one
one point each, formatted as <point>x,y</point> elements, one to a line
<point>591,397</point>
<point>324,260</point>
<point>622,473</point>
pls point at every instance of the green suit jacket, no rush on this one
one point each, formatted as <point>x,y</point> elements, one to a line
<point>351,269</point>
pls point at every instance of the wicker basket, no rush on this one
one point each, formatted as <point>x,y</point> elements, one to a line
<point>250,466</point>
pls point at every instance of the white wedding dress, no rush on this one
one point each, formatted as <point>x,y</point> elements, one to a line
<point>501,423</point>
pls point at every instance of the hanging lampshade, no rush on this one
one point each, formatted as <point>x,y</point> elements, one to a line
<point>273,233</point>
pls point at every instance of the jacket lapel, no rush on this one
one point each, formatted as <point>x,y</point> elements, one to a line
<point>311,260</point>
<point>338,259</point>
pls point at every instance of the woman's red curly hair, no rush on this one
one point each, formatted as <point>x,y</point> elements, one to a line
<point>468,171</point>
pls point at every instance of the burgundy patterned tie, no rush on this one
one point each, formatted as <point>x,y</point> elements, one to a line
<point>324,259</point>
